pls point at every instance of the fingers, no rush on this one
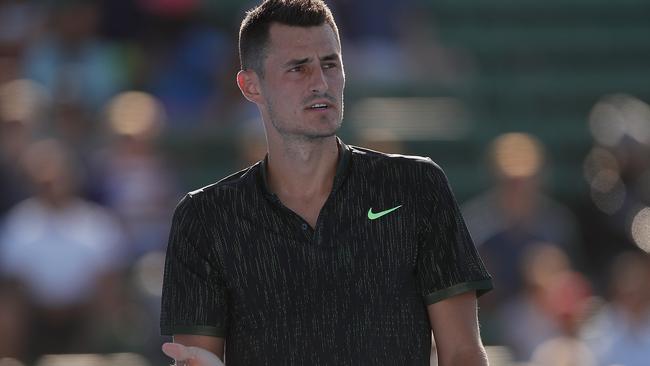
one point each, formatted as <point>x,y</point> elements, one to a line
<point>194,356</point>
<point>177,351</point>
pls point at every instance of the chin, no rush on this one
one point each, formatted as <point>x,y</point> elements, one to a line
<point>319,133</point>
<point>326,132</point>
<point>310,130</point>
<point>318,136</point>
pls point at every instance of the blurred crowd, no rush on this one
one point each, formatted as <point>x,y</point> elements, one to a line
<point>562,296</point>
<point>90,90</point>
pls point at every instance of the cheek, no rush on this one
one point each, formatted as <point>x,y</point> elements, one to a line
<point>286,91</point>
<point>338,81</point>
<point>283,101</point>
<point>276,96</point>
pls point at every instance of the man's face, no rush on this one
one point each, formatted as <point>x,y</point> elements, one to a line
<point>302,87</point>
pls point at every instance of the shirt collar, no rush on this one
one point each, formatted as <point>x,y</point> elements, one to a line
<point>341,169</point>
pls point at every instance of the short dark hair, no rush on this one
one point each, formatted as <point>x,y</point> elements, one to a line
<point>254,30</point>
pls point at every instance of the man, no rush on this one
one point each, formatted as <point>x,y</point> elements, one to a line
<point>322,253</point>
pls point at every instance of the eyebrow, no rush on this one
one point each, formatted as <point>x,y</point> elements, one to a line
<point>331,57</point>
<point>302,61</point>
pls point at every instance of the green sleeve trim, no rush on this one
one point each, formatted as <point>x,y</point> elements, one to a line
<point>194,330</point>
<point>481,287</point>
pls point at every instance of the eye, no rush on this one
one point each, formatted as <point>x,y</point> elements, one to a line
<point>329,65</point>
<point>296,69</point>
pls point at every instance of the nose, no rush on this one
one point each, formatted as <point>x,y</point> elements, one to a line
<point>318,81</point>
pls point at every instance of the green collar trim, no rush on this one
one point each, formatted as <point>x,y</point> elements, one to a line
<point>204,330</point>
<point>480,287</point>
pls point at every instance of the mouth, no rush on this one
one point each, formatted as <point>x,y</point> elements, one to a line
<point>319,106</point>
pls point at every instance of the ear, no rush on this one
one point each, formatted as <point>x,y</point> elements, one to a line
<point>249,84</point>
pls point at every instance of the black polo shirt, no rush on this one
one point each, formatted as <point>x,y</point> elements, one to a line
<point>351,291</point>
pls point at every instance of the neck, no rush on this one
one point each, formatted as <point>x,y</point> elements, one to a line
<point>302,168</point>
<point>55,201</point>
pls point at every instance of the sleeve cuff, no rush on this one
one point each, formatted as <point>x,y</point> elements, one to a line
<point>204,330</point>
<point>481,287</point>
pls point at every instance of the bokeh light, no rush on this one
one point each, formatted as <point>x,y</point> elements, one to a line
<point>605,180</point>
<point>135,113</point>
<point>601,170</point>
<point>606,124</point>
<point>616,116</point>
<point>517,155</point>
<point>609,201</point>
<point>637,117</point>
<point>21,100</point>
<point>641,229</point>
<point>597,161</point>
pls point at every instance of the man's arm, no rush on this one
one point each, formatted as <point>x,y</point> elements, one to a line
<point>196,350</point>
<point>454,322</point>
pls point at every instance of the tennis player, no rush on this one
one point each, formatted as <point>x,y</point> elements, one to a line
<point>322,253</point>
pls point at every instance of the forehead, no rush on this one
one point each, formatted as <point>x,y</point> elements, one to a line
<point>286,42</point>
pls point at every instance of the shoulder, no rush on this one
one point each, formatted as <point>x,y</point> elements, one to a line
<point>369,156</point>
<point>23,218</point>
<point>421,167</point>
<point>241,180</point>
<point>224,192</point>
<point>23,209</point>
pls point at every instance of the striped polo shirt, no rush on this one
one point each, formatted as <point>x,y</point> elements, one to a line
<point>353,290</point>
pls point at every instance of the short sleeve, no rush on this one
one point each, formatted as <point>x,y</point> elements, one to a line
<point>194,293</point>
<point>448,263</point>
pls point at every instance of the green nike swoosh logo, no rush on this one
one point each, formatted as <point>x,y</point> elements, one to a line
<point>374,216</point>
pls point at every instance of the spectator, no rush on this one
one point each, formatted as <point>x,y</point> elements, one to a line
<point>516,214</point>
<point>59,246</point>
<point>21,108</point>
<point>526,320</point>
<point>620,333</point>
<point>134,178</point>
<point>14,318</point>
<point>567,301</point>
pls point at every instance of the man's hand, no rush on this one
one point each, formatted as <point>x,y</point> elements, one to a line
<point>191,356</point>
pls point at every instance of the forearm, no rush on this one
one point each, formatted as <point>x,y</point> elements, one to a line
<point>474,356</point>
<point>455,327</point>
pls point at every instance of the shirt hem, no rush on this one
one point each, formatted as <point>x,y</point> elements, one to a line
<point>204,330</point>
<point>481,287</point>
